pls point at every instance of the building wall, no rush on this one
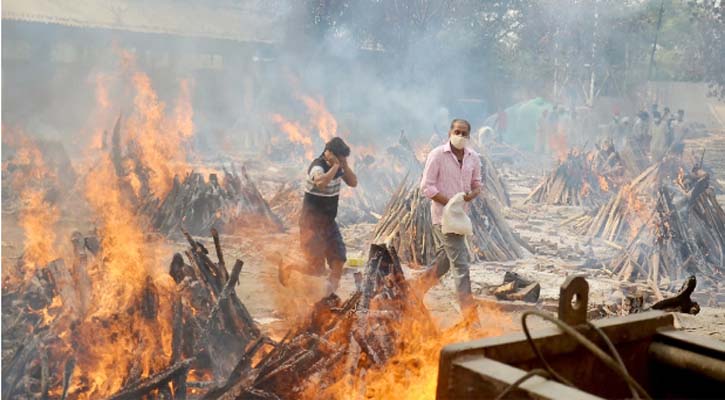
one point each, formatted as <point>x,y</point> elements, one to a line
<point>46,70</point>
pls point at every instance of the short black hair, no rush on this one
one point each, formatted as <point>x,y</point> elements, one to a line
<point>338,147</point>
<point>468,124</point>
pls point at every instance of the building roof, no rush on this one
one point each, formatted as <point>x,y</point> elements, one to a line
<point>251,22</point>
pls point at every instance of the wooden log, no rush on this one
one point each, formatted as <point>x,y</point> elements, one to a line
<point>142,388</point>
<point>219,254</point>
<point>64,286</point>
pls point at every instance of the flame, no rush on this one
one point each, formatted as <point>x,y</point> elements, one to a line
<point>585,190</point>
<point>115,336</point>
<point>603,184</point>
<point>558,144</point>
<point>38,219</point>
<point>321,118</point>
<point>160,141</point>
<point>413,372</point>
<point>184,112</point>
<point>30,178</point>
<point>637,210</point>
<point>295,133</point>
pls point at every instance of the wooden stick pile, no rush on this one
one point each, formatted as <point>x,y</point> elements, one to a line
<point>213,333</point>
<point>569,184</point>
<point>684,235</point>
<point>493,182</point>
<point>622,215</point>
<point>42,320</point>
<point>407,226</point>
<point>582,179</point>
<point>195,204</point>
<point>198,205</point>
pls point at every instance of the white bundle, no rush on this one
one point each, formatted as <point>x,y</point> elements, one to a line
<point>455,220</point>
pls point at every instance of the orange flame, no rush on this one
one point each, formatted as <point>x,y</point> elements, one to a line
<point>603,184</point>
<point>321,118</point>
<point>558,144</point>
<point>184,113</point>
<point>161,141</point>
<point>295,133</point>
<point>38,219</point>
<point>413,373</point>
<point>116,336</point>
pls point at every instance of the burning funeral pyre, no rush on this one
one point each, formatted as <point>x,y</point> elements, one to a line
<point>582,179</point>
<point>28,159</point>
<point>681,230</point>
<point>196,203</point>
<point>186,333</point>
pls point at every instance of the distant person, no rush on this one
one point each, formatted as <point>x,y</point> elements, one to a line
<point>640,138</point>
<point>680,115</point>
<point>450,169</point>
<point>661,139</point>
<point>320,236</point>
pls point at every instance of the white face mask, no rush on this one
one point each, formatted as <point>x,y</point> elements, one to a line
<point>459,142</point>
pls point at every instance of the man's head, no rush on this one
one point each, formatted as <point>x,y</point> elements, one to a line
<point>680,115</point>
<point>337,147</point>
<point>459,133</point>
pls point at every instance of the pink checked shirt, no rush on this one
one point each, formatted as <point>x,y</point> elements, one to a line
<point>444,174</point>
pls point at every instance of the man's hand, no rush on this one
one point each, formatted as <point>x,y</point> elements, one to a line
<point>334,160</point>
<point>470,196</point>
<point>349,177</point>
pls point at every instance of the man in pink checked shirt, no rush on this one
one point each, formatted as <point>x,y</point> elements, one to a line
<point>450,169</point>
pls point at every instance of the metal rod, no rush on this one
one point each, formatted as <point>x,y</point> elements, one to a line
<point>685,359</point>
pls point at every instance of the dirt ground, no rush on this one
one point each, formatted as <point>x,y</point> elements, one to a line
<point>558,252</point>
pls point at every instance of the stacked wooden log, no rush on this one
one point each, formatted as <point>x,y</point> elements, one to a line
<point>622,215</point>
<point>495,185</point>
<point>199,204</point>
<point>684,235</point>
<point>582,179</point>
<point>407,226</point>
<point>194,203</point>
<point>44,317</point>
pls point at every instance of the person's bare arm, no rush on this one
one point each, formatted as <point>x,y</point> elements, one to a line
<point>472,194</point>
<point>349,176</point>
<point>476,184</point>
<point>322,180</point>
<point>440,199</point>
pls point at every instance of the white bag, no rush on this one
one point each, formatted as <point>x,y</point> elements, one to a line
<point>455,220</point>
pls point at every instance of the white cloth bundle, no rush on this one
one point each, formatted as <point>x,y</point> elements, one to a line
<point>455,220</point>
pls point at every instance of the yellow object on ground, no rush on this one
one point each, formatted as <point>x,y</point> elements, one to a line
<point>355,261</point>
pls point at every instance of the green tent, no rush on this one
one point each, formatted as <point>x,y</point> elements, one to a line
<point>522,120</point>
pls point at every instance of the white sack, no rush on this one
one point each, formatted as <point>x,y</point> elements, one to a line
<point>455,219</point>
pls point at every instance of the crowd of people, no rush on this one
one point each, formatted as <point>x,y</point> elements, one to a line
<point>650,132</point>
